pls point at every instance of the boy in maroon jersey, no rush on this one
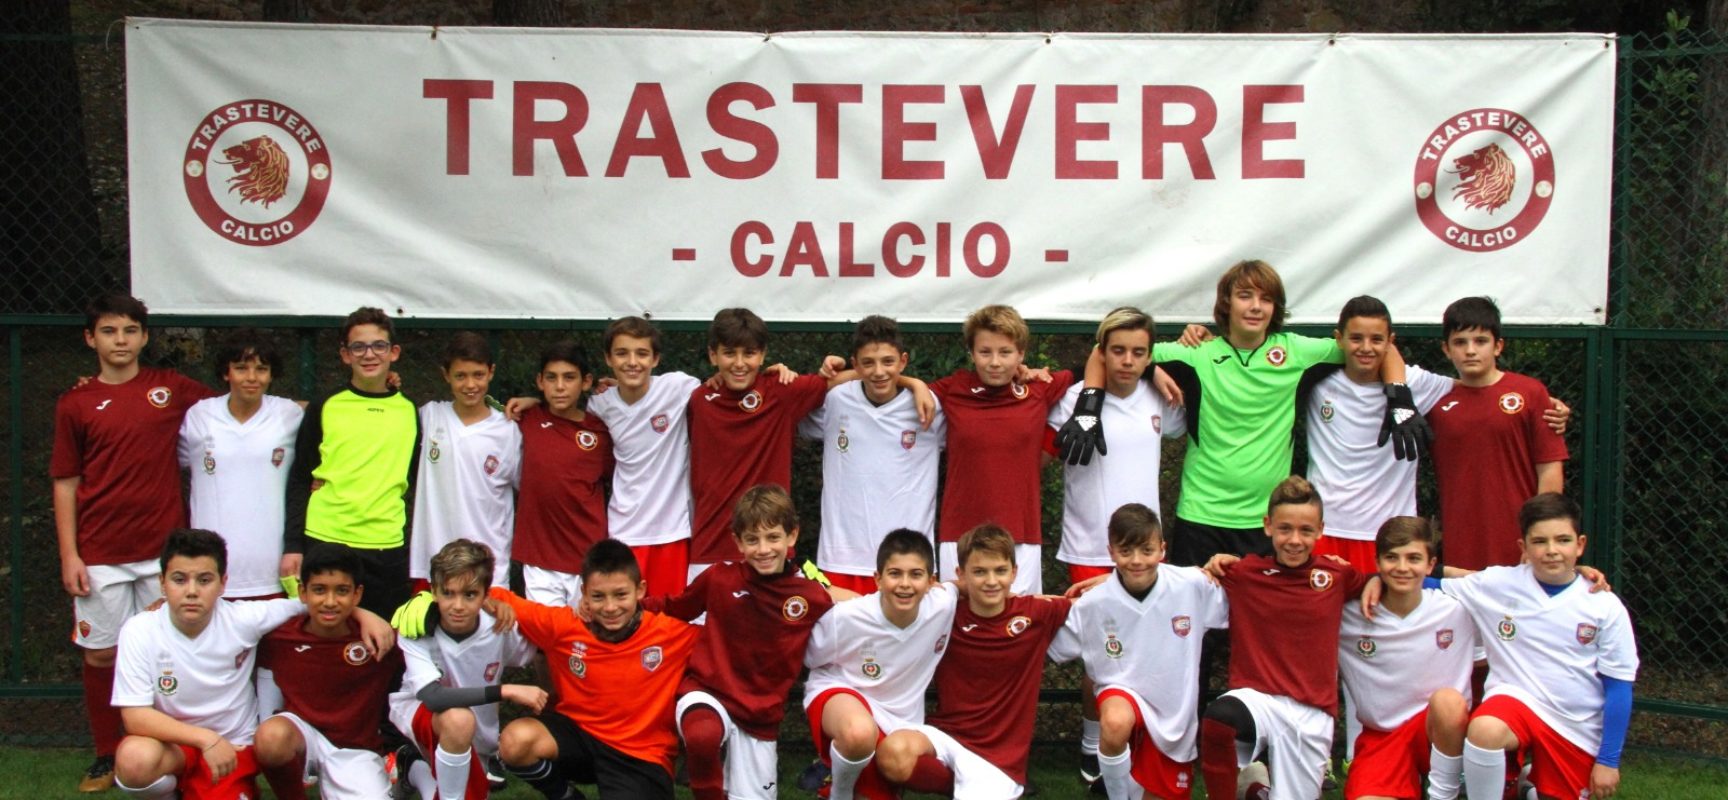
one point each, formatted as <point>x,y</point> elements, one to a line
<point>334,690</point>
<point>1284,615</point>
<point>977,743</point>
<point>741,432</point>
<point>116,496</point>
<point>760,611</point>
<point>566,453</point>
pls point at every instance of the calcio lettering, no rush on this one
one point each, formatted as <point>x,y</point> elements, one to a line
<point>560,114</point>
<point>906,249</point>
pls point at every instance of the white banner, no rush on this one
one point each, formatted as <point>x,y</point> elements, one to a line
<point>478,172</point>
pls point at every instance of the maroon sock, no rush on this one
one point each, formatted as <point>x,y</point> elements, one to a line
<point>702,735</point>
<point>105,725</point>
<point>288,780</point>
<point>930,776</point>
<point>1218,758</point>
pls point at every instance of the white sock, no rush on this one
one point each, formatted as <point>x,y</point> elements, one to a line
<point>270,698</point>
<point>1089,736</point>
<point>163,787</point>
<point>1445,774</point>
<point>1115,771</point>
<point>420,777</point>
<point>1484,771</point>
<point>845,773</point>
<point>452,773</point>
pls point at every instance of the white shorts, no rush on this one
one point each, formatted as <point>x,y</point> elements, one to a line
<point>117,591</point>
<point>1029,558</point>
<point>1299,736</point>
<point>342,772</point>
<point>752,764</point>
<point>974,777</point>
<point>549,587</point>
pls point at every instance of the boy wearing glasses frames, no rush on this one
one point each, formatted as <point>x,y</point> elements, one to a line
<point>353,463</point>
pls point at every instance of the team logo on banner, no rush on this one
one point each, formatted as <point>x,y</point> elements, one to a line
<point>660,423</point>
<point>651,658</point>
<point>1511,402</point>
<point>1484,179</point>
<point>1507,630</point>
<point>1182,625</point>
<point>908,439</point>
<point>1275,356</point>
<point>1018,625</point>
<point>1443,638</point>
<point>1586,633</point>
<point>1326,411</point>
<point>167,684</point>
<point>1320,580</point>
<point>491,465</point>
<point>1366,648</point>
<point>256,172</point>
<point>587,440</point>
<point>794,608</point>
<point>355,653</point>
<point>277,456</point>
<point>159,396</point>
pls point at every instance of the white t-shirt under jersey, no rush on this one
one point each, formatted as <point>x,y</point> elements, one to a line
<point>1363,484</point>
<point>239,484</point>
<point>466,486</point>
<point>1150,647</point>
<point>1134,429</point>
<point>204,681</point>
<point>1548,651</point>
<point>854,646</point>
<point>651,443</point>
<point>1391,664</point>
<point>479,660</point>
<point>878,474</point>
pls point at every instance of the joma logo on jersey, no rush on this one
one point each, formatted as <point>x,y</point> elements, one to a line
<point>1181,625</point>
<point>1443,638</point>
<point>1366,648</point>
<point>1320,580</point>
<point>750,402</point>
<point>1018,625</point>
<point>1586,633</point>
<point>1469,192</point>
<point>1511,402</point>
<point>652,658</point>
<point>794,608</point>
<point>159,396</point>
<point>659,423</point>
<point>256,172</point>
<point>587,440</point>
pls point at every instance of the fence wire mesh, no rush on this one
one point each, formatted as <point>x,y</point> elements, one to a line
<point>1649,432</point>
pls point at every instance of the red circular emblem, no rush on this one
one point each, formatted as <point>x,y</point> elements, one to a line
<point>587,440</point>
<point>794,608</point>
<point>256,172</point>
<point>1511,402</point>
<point>1275,356</point>
<point>1484,179</point>
<point>750,402</point>
<point>355,653</point>
<point>159,396</point>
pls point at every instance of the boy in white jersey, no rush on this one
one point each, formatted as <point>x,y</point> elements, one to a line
<point>470,464</point>
<point>183,679</point>
<point>448,703</point>
<point>1561,662</point>
<point>870,659</point>
<point>879,460</point>
<point>1139,636</point>
<point>237,449</point>
<point>650,505</point>
<point>1407,671</point>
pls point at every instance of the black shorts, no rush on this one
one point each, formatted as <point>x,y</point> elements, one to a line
<point>1192,543</point>
<point>585,759</point>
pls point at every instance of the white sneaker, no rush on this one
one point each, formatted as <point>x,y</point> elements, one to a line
<point>1250,775</point>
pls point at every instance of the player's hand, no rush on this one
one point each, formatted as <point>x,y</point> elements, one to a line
<point>1218,565</point>
<point>220,758</point>
<point>74,577</point>
<point>317,483</point>
<point>532,698</point>
<point>1338,558</point>
<point>288,573</point>
<point>1371,596</point>
<point>1085,586</point>
<point>375,633</point>
<point>786,374</point>
<point>503,614</point>
<point>393,381</point>
<point>1597,578</point>
<point>1404,425</point>
<point>1166,386</point>
<point>1194,336</point>
<point>831,366</point>
<point>155,604</point>
<point>1557,415</point>
<point>1604,782</point>
<point>515,407</point>
<point>83,379</point>
<point>924,401</point>
<point>1084,430</point>
<point>410,617</point>
<point>841,593</point>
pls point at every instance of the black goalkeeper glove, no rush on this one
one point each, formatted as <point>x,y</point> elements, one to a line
<point>1404,425</point>
<point>1084,430</point>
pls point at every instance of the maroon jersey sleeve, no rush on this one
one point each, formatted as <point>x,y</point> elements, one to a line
<point>692,603</point>
<point>68,458</point>
<point>805,394</point>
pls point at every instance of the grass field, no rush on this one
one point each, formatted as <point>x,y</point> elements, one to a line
<point>51,774</point>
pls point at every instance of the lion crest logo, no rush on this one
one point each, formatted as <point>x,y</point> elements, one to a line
<point>260,170</point>
<point>1511,402</point>
<point>355,653</point>
<point>1320,580</point>
<point>159,396</point>
<point>1485,178</point>
<point>1018,625</point>
<point>587,440</point>
<point>794,608</point>
<point>750,402</point>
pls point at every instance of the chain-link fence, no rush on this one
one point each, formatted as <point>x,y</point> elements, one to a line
<point>1647,443</point>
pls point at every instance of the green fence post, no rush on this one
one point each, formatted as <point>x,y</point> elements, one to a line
<point>15,478</point>
<point>308,362</point>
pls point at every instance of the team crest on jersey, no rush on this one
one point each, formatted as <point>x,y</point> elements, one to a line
<point>1112,646</point>
<point>1511,402</point>
<point>751,401</point>
<point>1443,638</point>
<point>908,439</point>
<point>941,643</point>
<point>1320,580</point>
<point>492,672</point>
<point>491,465</point>
<point>1019,390</point>
<point>83,629</point>
<point>1586,633</point>
<point>434,453</point>
<point>843,444</point>
<point>240,658</point>
<point>1326,411</point>
<point>1507,630</point>
<point>1183,777</point>
<point>794,608</point>
<point>1018,625</point>
<point>167,684</point>
<point>1275,356</point>
<point>1181,625</point>
<point>578,667</point>
<point>652,658</point>
<point>277,456</point>
<point>1366,648</point>
<point>1158,424</point>
<point>209,463</point>
<point>659,423</point>
<point>871,669</point>
<point>355,653</point>
<point>159,396</point>
<point>587,440</point>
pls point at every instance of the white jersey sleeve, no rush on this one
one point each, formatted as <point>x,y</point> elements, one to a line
<point>1426,387</point>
